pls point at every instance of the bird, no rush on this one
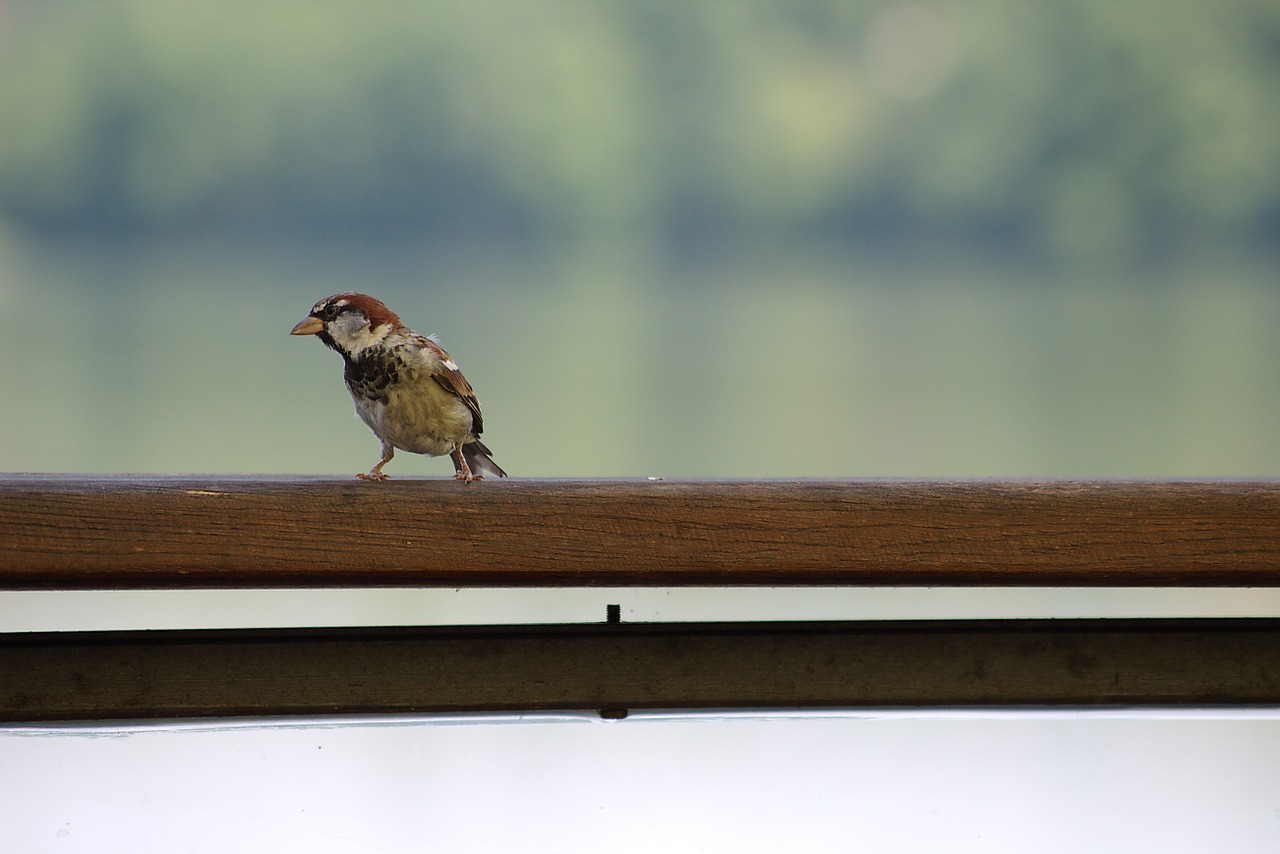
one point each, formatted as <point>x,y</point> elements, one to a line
<point>405,386</point>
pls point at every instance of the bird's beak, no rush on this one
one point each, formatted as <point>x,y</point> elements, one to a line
<point>307,326</point>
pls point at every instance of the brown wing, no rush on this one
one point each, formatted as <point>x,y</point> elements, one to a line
<point>447,374</point>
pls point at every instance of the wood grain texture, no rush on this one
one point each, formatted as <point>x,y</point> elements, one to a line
<point>619,667</point>
<point>143,532</point>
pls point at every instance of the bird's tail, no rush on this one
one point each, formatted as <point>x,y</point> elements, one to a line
<point>479,461</point>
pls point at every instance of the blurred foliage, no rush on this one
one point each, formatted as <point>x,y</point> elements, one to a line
<point>1057,128</point>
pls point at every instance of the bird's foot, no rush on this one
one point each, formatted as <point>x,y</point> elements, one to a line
<point>373,475</point>
<point>468,477</point>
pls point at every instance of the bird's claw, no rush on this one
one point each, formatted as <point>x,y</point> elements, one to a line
<point>373,475</point>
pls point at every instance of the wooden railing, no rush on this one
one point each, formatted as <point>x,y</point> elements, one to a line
<point>62,533</point>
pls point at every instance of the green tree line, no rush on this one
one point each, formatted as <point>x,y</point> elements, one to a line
<point>1060,126</point>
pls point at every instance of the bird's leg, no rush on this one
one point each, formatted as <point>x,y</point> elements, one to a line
<point>460,464</point>
<point>375,473</point>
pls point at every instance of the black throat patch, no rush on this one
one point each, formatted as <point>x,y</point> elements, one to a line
<point>370,378</point>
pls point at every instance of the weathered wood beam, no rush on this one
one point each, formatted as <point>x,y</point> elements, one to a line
<point>150,532</point>
<point>614,668</point>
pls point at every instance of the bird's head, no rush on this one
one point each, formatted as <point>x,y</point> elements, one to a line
<point>349,323</point>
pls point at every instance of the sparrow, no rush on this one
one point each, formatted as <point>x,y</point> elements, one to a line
<point>405,386</point>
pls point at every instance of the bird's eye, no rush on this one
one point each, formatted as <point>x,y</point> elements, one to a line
<point>328,312</point>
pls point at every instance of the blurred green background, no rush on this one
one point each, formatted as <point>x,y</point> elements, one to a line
<point>661,238</point>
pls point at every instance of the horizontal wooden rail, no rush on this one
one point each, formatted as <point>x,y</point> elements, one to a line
<point>60,532</point>
<point>614,668</point>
